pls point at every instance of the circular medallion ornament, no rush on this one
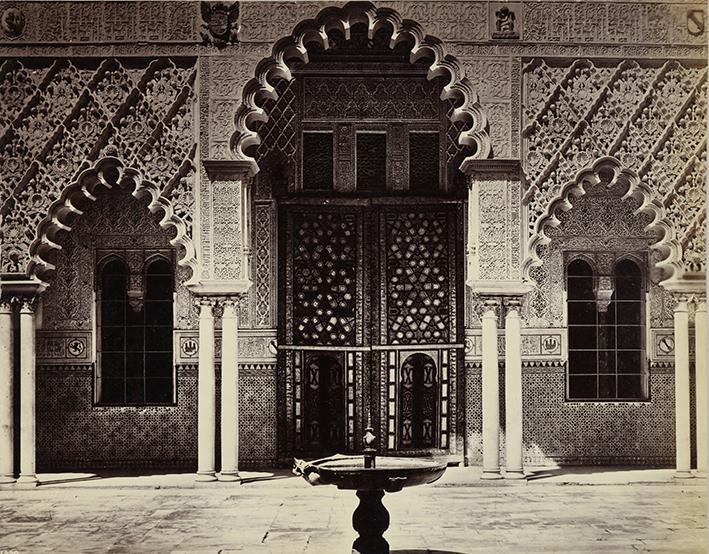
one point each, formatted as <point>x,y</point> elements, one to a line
<point>607,126</point>
<point>12,22</point>
<point>62,166</point>
<point>76,347</point>
<point>534,158</point>
<point>12,164</point>
<point>583,158</point>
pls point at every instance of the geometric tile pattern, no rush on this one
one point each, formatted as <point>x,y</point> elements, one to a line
<point>579,433</point>
<point>73,434</point>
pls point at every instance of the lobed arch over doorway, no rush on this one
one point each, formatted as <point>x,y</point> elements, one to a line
<point>468,112</point>
<point>610,170</point>
<point>108,172</point>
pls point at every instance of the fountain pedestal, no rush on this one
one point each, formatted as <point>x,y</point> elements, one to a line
<point>387,474</point>
<point>370,519</point>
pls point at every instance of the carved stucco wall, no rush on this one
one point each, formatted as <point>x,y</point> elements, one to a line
<point>650,116</point>
<point>64,31</point>
<point>600,221</point>
<point>79,434</point>
<point>61,116</point>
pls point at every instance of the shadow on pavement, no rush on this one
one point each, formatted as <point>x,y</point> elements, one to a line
<point>425,551</point>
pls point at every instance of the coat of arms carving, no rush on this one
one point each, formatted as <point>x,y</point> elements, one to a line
<point>219,22</point>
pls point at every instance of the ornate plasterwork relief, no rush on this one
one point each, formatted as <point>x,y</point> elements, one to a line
<point>292,47</point>
<point>604,220</point>
<point>647,121</point>
<point>67,116</point>
<point>77,22</point>
<point>545,22</point>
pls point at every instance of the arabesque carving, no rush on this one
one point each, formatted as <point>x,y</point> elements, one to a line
<point>63,119</point>
<point>580,114</point>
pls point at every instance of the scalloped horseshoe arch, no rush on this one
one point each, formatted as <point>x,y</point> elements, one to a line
<point>458,87</point>
<point>668,244</point>
<point>65,209</point>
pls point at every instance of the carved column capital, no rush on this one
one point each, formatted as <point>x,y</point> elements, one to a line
<point>28,304</point>
<point>7,304</point>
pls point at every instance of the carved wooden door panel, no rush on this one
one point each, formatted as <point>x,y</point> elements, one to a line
<point>321,331</point>
<point>369,324</point>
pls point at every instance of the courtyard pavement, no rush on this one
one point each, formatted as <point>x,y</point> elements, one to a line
<point>569,510</point>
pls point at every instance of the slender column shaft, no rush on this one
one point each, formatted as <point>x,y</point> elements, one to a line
<point>230,394</point>
<point>27,394</point>
<point>513,395</point>
<point>490,396</point>
<point>206,395</point>
<point>7,450</point>
<point>700,341</point>
<point>682,433</point>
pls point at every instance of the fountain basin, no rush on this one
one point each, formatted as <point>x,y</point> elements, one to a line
<point>391,473</point>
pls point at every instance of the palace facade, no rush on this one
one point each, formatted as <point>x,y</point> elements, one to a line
<point>237,233</point>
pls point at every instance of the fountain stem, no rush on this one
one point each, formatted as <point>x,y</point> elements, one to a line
<point>370,453</point>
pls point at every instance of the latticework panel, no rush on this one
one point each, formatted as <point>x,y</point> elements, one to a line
<point>417,273</point>
<point>652,118</point>
<point>279,133</point>
<point>324,283</point>
<point>57,119</point>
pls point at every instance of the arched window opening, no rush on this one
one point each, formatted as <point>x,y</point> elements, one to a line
<point>135,337</point>
<point>606,332</point>
<point>418,402</point>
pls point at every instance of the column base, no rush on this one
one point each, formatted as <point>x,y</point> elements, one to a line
<point>205,476</point>
<point>5,479</point>
<point>28,480</point>
<point>490,474</point>
<point>515,474</point>
<point>230,476</point>
<point>682,474</point>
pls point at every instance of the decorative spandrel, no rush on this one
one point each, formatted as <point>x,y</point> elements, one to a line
<point>324,266</point>
<point>418,283</point>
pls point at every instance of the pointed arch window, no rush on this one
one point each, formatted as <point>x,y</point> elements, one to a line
<point>135,347</point>
<point>606,331</point>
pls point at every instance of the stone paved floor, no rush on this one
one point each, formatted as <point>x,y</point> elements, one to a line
<point>286,515</point>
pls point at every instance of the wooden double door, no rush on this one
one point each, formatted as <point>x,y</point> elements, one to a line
<point>369,323</point>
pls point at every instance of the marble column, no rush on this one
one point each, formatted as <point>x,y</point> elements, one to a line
<point>682,432</point>
<point>490,394</point>
<point>28,383</point>
<point>701,339</point>
<point>7,446</point>
<point>230,394</point>
<point>206,394</point>
<point>513,393</point>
